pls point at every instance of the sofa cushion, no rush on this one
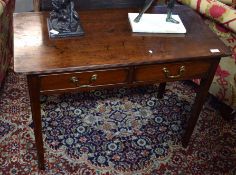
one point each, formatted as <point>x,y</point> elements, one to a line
<point>215,10</point>
<point>224,84</point>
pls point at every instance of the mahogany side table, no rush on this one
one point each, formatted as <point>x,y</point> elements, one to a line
<point>110,55</point>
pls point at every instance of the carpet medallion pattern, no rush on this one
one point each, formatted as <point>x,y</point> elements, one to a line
<point>124,129</point>
<point>114,132</point>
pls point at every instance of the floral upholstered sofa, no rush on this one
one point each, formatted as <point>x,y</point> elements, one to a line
<point>221,18</point>
<point>6,36</point>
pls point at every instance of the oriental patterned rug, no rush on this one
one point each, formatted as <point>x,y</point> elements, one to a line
<point>114,132</point>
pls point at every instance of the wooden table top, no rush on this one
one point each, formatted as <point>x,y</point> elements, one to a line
<point>108,42</point>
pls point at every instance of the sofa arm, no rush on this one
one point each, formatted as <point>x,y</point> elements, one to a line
<point>6,35</point>
<point>228,2</point>
<point>215,10</point>
<point>2,5</point>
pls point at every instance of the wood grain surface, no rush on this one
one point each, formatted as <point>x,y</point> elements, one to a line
<point>108,42</point>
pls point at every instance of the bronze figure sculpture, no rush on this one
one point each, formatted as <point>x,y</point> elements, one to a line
<point>170,6</point>
<point>64,20</point>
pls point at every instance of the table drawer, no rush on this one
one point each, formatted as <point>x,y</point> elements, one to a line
<point>83,79</point>
<point>171,71</point>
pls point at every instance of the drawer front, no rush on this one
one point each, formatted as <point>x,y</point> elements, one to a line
<point>83,79</point>
<point>171,71</point>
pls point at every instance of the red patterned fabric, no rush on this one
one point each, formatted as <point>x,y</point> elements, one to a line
<point>221,19</point>
<point>224,84</point>
<point>215,10</point>
<point>6,36</point>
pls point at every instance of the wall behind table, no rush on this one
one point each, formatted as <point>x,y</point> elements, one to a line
<point>94,4</point>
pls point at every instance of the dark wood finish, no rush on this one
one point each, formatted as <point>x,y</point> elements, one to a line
<point>34,86</point>
<point>161,90</point>
<point>104,77</point>
<point>199,101</point>
<point>111,34</point>
<point>118,56</point>
<point>227,112</point>
<point>155,72</point>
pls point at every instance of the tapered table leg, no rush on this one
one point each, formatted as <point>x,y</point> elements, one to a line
<point>161,90</point>
<point>199,101</point>
<point>34,92</point>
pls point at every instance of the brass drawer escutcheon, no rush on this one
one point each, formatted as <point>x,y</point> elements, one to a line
<point>94,78</point>
<point>167,73</point>
<point>76,81</point>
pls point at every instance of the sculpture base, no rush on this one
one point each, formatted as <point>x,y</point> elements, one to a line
<point>55,34</point>
<point>155,23</point>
